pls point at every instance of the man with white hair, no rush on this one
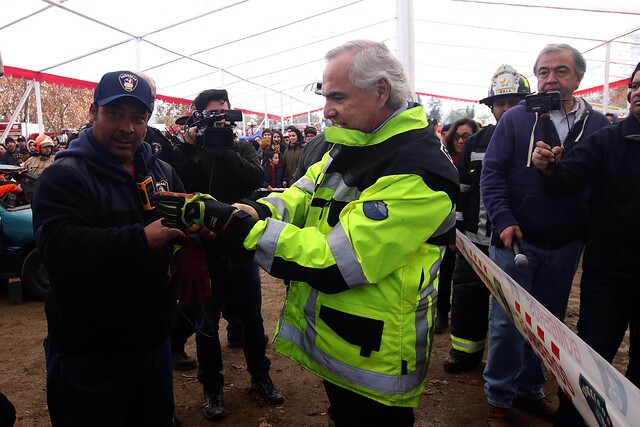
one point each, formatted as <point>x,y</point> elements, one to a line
<point>360,237</point>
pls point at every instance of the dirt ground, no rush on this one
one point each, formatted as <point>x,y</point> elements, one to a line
<point>448,400</point>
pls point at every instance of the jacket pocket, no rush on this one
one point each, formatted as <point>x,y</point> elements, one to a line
<point>359,331</point>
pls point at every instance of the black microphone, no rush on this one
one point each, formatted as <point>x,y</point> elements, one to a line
<point>520,259</point>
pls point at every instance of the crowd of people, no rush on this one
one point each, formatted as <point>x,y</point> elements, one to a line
<point>359,221</point>
<point>33,155</point>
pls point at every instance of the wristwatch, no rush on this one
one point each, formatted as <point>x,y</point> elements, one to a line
<point>240,214</point>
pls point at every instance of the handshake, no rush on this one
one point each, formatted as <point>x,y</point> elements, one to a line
<point>182,210</point>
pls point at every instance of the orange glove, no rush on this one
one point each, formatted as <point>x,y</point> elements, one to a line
<point>189,273</point>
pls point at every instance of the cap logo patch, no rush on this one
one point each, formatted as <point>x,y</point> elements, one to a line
<point>376,210</point>
<point>129,82</point>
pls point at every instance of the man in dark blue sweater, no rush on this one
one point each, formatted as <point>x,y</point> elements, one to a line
<point>109,307</point>
<point>550,230</point>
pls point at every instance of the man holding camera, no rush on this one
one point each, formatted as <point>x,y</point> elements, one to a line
<point>608,160</point>
<point>549,230</point>
<point>212,162</point>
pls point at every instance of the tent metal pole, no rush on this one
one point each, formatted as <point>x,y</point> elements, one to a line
<point>281,113</point>
<point>266,115</point>
<point>605,90</point>
<point>14,116</point>
<point>36,87</point>
<point>404,31</point>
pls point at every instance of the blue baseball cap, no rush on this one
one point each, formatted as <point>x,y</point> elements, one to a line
<point>119,84</point>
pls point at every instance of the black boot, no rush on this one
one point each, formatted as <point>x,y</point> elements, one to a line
<point>441,323</point>
<point>212,403</point>
<point>182,362</point>
<point>266,389</point>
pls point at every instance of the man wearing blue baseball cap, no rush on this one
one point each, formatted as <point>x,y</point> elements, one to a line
<point>109,308</point>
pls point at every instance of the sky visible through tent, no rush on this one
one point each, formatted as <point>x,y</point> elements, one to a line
<point>265,52</point>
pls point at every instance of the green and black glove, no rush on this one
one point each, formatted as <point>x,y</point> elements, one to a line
<point>181,210</point>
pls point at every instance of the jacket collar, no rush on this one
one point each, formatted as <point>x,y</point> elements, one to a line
<point>410,119</point>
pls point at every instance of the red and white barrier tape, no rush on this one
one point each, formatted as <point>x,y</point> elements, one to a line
<point>602,395</point>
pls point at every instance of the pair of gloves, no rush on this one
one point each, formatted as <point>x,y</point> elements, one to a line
<point>182,210</point>
<point>188,271</point>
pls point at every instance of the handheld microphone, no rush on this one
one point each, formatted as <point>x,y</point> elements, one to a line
<point>520,259</point>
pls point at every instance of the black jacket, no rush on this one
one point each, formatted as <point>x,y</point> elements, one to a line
<point>609,160</point>
<point>108,291</point>
<point>9,159</point>
<point>471,213</point>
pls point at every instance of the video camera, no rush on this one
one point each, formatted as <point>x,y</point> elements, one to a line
<point>214,130</point>
<point>543,102</point>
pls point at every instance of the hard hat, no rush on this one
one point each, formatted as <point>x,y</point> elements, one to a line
<point>43,141</point>
<point>506,81</point>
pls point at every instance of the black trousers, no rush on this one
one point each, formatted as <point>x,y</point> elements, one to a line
<point>349,409</point>
<point>444,287</point>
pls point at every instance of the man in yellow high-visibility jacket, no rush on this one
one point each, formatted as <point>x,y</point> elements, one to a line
<point>360,236</point>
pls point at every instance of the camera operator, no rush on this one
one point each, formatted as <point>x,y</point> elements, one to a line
<point>550,230</point>
<point>212,161</point>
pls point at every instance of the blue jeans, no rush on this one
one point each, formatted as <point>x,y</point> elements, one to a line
<point>130,389</point>
<point>605,315</point>
<point>513,370</point>
<point>236,281</point>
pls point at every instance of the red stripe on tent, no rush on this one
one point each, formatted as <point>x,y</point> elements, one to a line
<point>541,333</point>
<point>446,97</point>
<point>174,100</point>
<point>48,78</point>
<point>600,88</point>
<point>67,81</point>
<point>518,307</point>
<point>527,318</point>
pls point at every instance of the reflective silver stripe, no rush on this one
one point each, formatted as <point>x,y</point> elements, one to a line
<point>423,319</point>
<point>278,203</point>
<point>476,156</point>
<point>267,243</point>
<point>305,184</point>
<point>345,257</point>
<point>310,315</point>
<point>448,223</point>
<point>333,181</point>
<point>381,383</point>
<point>465,188</point>
<point>435,268</point>
<point>344,193</point>
<point>459,216</point>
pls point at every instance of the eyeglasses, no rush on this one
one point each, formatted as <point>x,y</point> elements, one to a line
<point>634,86</point>
<point>462,137</point>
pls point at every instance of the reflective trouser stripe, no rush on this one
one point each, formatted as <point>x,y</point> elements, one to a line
<point>467,346</point>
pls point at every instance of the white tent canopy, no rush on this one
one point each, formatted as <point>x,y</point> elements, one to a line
<point>265,52</point>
